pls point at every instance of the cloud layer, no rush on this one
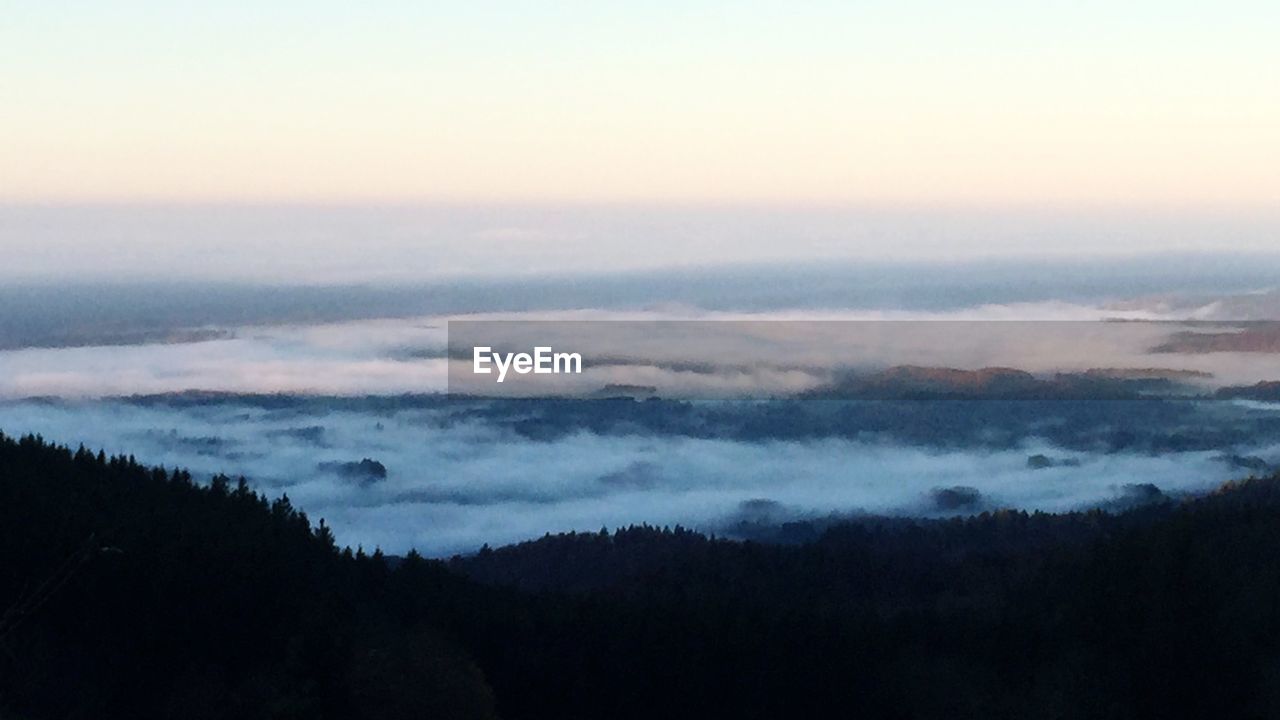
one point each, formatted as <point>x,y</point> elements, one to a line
<point>460,476</point>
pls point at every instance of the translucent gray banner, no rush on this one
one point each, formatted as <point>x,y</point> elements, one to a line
<point>813,359</point>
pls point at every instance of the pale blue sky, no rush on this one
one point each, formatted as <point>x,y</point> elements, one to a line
<point>1083,103</point>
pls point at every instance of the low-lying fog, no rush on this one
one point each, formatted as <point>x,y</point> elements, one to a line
<point>335,430</point>
<point>752,354</point>
<point>447,477</point>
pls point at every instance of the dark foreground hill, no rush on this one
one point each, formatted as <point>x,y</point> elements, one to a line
<point>132,592</point>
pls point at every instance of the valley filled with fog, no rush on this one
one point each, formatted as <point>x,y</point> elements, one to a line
<point>827,397</point>
<point>449,475</point>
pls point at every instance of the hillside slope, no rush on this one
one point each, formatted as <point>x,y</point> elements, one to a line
<point>134,592</point>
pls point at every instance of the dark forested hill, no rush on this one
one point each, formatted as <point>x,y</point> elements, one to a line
<point>128,592</point>
<point>133,592</point>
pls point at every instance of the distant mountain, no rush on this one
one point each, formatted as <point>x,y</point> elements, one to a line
<point>1254,337</point>
<point>910,382</point>
<point>1268,391</point>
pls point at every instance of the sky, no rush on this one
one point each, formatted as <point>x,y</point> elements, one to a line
<point>889,104</point>
<point>594,156</point>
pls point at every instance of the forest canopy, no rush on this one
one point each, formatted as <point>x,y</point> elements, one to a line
<point>130,591</point>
